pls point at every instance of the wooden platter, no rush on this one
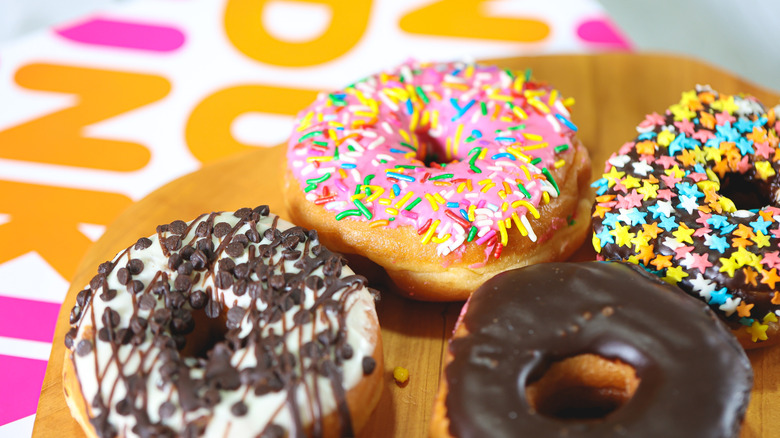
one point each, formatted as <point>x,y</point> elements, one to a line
<point>613,92</point>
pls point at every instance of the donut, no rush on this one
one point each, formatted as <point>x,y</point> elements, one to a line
<point>234,324</point>
<point>694,199</point>
<point>563,350</point>
<point>444,174</point>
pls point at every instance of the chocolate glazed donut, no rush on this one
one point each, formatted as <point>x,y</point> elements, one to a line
<point>694,379</point>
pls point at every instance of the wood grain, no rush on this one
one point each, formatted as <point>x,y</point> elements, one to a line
<point>613,93</point>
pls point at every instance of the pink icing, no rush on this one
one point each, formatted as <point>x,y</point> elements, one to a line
<point>492,135</point>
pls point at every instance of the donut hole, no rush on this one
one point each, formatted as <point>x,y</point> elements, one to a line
<point>431,151</point>
<point>207,333</point>
<point>583,387</point>
<point>746,194</point>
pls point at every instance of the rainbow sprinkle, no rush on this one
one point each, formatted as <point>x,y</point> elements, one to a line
<point>460,152</point>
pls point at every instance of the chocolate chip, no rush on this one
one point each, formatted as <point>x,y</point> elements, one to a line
<point>83,348</point>
<point>199,259</point>
<point>108,295</point>
<point>124,407</point>
<point>239,409</point>
<point>211,398</point>
<point>239,287</point>
<point>123,276</point>
<point>241,213</point>
<point>105,267</point>
<point>186,252</point>
<point>213,308</point>
<point>311,350</point>
<point>241,270</point>
<point>291,241</point>
<point>177,227</point>
<point>160,287</point>
<point>142,244</point>
<point>346,352</point>
<point>202,230</point>
<point>138,324</point>
<point>183,323</point>
<point>226,265</point>
<point>174,261</point>
<point>172,243</point>
<point>234,249</point>
<point>182,282</point>
<point>82,297</point>
<point>223,280</point>
<point>368,365</point>
<point>240,238</point>
<point>135,266</point>
<point>198,299</point>
<point>136,286</point>
<point>273,431</point>
<point>167,409</point>
<point>97,281</point>
<point>291,255</point>
<point>276,282</point>
<point>105,334</point>
<point>303,316</point>
<point>162,228</point>
<point>123,336</point>
<point>110,317</point>
<point>175,300</point>
<point>263,210</point>
<point>332,266</point>
<point>315,283</point>
<point>70,337</point>
<point>312,234</point>
<point>222,229</point>
<point>185,268</point>
<point>234,317</point>
<point>252,235</point>
<point>147,302</point>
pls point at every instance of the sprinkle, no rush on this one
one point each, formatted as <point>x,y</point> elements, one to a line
<point>551,180</point>
<point>378,223</point>
<point>363,209</point>
<point>486,237</point>
<point>400,176</point>
<point>345,213</point>
<point>413,204</point>
<point>566,122</point>
<point>432,201</point>
<point>459,220</point>
<point>400,203</point>
<point>528,205</point>
<point>443,176</point>
<point>400,375</point>
<point>428,234</point>
<point>472,234</point>
<point>561,148</point>
<point>309,135</point>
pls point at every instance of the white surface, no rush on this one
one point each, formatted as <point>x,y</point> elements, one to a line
<point>738,36</point>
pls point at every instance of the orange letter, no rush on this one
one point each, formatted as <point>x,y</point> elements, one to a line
<point>467,19</point>
<point>59,138</point>
<point>243,24</point>
<point>49,224</point>
<point>208,129</point>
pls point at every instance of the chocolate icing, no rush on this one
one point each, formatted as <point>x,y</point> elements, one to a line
<point>174,308</point>
<point>695,378</point>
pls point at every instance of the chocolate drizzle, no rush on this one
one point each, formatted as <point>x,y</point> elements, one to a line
<point>695,378</point>
<point>283,283</point>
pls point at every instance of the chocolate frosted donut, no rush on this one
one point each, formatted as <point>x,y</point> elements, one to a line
<point>235,324</point>
<point>695,198</point>
<point>694,379</point>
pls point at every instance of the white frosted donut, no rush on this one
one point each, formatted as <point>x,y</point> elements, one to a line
<point>235,324</point>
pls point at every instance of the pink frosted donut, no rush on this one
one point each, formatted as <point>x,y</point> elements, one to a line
<point>444,174</point>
